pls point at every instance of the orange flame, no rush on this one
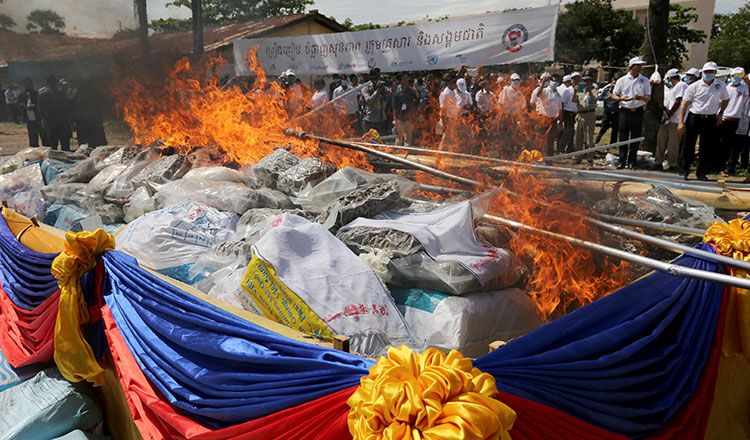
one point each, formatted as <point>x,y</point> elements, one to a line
<point>182,106</point>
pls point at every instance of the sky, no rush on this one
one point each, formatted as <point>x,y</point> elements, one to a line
<point>102,18</point>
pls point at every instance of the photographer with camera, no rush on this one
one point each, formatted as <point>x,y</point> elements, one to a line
<point>375,95</point>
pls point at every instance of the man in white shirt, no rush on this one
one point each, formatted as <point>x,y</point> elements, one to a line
<point>348,103</point>
<point>732,144</point>
<point>549,107</point>
<point>293,92</point>
<point>668,138</point>
<point>567,92</point>
<point>543,81</point>
<point>633,92</point>
<point>453,115</point>
<point>320,96</point>
<point>704,104</point>
<point>585,117</point>
<point>511,98</point>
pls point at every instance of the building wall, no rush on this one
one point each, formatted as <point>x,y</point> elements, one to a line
<point>697,53</point>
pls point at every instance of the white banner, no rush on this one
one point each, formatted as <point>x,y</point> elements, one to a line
<point>510,37</point>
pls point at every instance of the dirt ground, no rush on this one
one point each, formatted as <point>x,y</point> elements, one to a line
<point>14,137</point>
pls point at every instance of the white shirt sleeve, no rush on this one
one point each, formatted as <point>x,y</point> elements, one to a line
<point>647,88</point>
<point>618,88</point>
<point>689,94</point>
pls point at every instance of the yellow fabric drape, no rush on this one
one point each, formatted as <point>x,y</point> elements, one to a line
<point>427,396</point>
<point>33,237</point>
<point>733,240</point>
<point>73,355</point>
<point>528,156</point>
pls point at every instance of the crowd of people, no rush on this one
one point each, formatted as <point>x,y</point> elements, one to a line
<point>54,112</point>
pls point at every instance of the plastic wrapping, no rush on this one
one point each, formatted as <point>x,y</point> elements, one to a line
<point>110,213</point>
<point>18,160</point>
<point>364,202</point>
<point>140,203</point>
<point>217,174</point>
<point>224,196</point>
<point>163,170</point>
<point>66,217</point>
<point>51,168</point>
<point>371,240</point>
<point>266,172</point>
<point>65,193</point>
<point>124,185</point>
<point>378,262</point>
<point>253,221</point>
<point>81,172</point>
<point>29,203</point>
<point>21,180</point>
<point>342,182</point>
<point>309,171</point>
<point>102,182</point>
<point>172,240</point>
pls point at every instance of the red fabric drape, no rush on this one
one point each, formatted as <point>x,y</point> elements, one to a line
<point>324,418</point>
<point>27,336</point>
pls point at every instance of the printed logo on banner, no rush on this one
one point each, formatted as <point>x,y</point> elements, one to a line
<point>461,58</point>
<point>432,60</point>
<point>514,37</point>
<point>372,63</point>
<point>401,63</point>
<point>343,66</point>
<point>273,67</point>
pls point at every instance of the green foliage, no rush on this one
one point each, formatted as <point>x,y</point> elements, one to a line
<point>231,11</point>
<point>729,44</point>
<point>592,30</point>
<point>45,21</point>
<point>678,33</point>
<point>6,23</point>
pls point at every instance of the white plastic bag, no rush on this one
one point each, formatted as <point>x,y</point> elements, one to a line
<point>171,240</point>
<point>21,180</point>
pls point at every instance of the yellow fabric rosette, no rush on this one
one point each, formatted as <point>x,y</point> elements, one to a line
<point>73,355</point>
<point>427,396</point>
<point>733,240</point>
<point>529,156</point>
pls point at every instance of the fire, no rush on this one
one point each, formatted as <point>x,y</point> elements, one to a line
<point>182,105</point>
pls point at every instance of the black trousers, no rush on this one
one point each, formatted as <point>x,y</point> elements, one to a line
<point>703,126</point>
<point>610,120</point>
<point>58,133</point>
<point>565,144</point>
<point>630,126</point>
<point>33,127</point>
<point>734,146</point>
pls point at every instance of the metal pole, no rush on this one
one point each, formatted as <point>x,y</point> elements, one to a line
<point>659,226</point>
<point>592,149</point>
<point>671,269</point>
<point>670,245</point>
<point>463,180</point>
<point>359,86</point>
<point>599,174</point>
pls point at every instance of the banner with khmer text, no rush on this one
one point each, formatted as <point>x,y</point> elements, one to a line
<point>511,37</point>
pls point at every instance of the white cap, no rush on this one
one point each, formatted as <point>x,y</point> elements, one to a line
<point>566,78</point>
<point>634,61</point>
<point>289,72</point>
<point>574,74</point>
<point>738,71</point>
<point>515,76</point>
<point>545,75</point>
<point>500,79</point>
<point>709,66</point>
<point>672,73</point>
<point>693,71</point>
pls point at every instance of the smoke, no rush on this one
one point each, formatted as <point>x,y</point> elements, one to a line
<point>90,18</point>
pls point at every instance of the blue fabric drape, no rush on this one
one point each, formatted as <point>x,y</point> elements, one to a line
<point>213,365</point>
<point>24,274</point>
<point>626,362</point>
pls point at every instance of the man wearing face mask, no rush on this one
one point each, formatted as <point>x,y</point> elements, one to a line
<point>348,104</point>
<point>668,138</point>
<point>511,98</point>
<point>732,144</point>
<point>534,100</point>
<point>633,92</point>
<point>704,104</point>
<point>549,106</point>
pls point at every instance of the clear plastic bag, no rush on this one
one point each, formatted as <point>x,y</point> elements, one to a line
<point>224,196</point>
<point>371,240</point>
<point>309,171</point>
<point>21,180</point>
<point>217,174</point>
<point>363,202</point>
<point>123,186</point>
<point>65,193</point>
<point>101,183</point>
<point>342,182</point>
<point>16,161</point>
<point>163,170</point>
<point>140,203</point>
<point>29,203</point>
<point>266,172</point>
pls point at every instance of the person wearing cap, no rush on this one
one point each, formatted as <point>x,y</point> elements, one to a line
<point>293,94</point>
<point>543,81</point>
<point>550,108</point>
<point>585,117</point>
<point>733,145</point>
<point>704,104</point>
<point>567,92</point>
<point>633,92</point>
<point>668,138</point>
<point>691,75</point>
<point>511,98</point>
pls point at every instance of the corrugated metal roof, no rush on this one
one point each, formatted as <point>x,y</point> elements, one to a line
<point>30,47</point>
<point>214,37</point>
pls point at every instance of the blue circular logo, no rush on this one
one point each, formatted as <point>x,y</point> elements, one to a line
<point>514,37</point>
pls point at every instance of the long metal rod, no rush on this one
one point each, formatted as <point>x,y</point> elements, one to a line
<point>592,149</point>
<point>658,226</point>
<point>670,245</point>
<point>671,269</point>
<point>548,169</point>
<point>418,166</point>
<point>331,102</point>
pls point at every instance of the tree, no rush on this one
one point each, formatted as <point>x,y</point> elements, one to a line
<point>591,30</point>
<point>678,33</point>
<point>45,21</point>
<point>142,14</point>
<point>654,52</point>
<point>6,23</point>
<point>729,45</point>
<point>231,11</point>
